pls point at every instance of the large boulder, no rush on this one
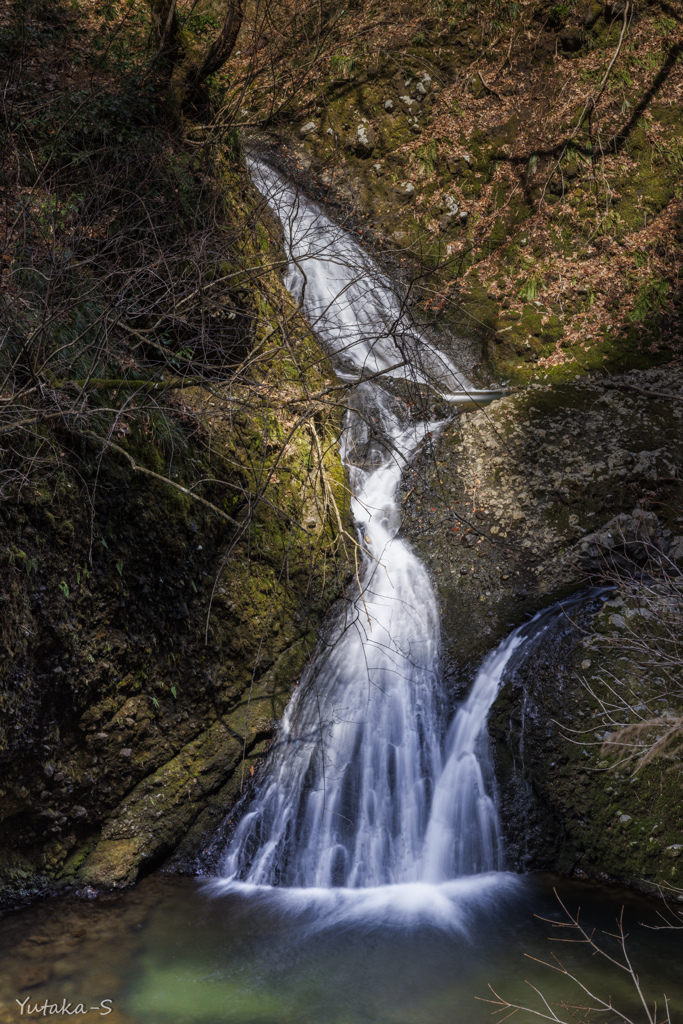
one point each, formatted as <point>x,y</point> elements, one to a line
<point>626,538</point>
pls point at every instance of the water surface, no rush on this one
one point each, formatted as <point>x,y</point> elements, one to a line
<point>169,953</point>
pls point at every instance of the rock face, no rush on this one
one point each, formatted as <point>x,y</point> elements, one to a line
<point>535,477</point>
<point>515,506</point>
<point>567,804</point>
<point>123,701</point>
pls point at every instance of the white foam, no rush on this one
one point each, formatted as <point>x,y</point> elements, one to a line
<point>450,906</point>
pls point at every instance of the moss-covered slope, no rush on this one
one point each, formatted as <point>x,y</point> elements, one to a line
<point>172,506</point>
<point>523,160</point>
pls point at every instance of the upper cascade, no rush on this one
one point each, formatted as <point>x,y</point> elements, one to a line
<point>353,307</point>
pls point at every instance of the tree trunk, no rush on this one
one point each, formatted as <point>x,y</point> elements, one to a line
<point>188,73</point>
<point>217,54</point>
<point>165,29</point>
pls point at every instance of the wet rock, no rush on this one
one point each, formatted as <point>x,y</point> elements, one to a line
<point>389,106</point>
<point>113,864</point>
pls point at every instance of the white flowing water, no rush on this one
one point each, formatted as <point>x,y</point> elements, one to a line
<point>360,790</point>
<point>346,795</point>
<point>352,306</point>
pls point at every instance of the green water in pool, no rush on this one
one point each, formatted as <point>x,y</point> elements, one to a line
<point>172,952</point>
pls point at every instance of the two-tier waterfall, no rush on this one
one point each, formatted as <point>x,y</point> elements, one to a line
<point>364,786</point>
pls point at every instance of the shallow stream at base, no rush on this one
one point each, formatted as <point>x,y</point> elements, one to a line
<point>167,953</point>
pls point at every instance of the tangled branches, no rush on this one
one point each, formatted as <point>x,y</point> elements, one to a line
<point>592,1002</point>
<point>143,322</point>
<point>641,706</point>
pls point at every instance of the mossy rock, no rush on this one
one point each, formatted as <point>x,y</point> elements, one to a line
<point>582,813</point>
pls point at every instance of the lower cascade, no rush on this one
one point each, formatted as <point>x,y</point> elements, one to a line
<point>365,785</point>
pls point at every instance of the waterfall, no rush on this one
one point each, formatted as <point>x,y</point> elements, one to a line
<point>347,792</point>
<point>463,836</point>
<point>352,306</point>
<point>360,790</point>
